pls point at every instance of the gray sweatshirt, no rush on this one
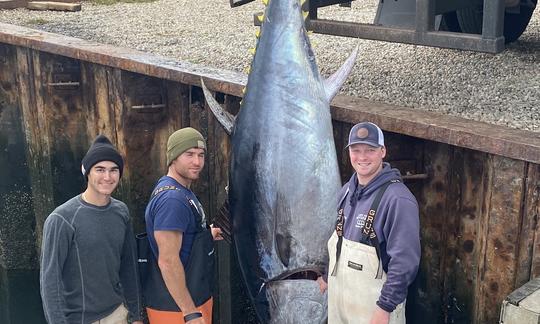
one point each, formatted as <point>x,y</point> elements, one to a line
<point>88,263</point>
<point>397,228</point>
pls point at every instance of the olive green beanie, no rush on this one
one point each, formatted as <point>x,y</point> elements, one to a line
<point>181,141</point>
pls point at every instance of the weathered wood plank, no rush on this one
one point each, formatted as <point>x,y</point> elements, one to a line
<point>8,75</point>
<point>465,201</point>
<point>533,212</point>
<point>517,144</point>
<point>199,120</point>
<point>502,222</point>
<point>59,96</point>
<point>433,230</point>
<point>344,161</point>
<point>219,145</point>
<point>12,4</point>
<point>144,114</point>
<point>528,230</point>
<point>17,239</point>
<point>451,237</point>
<point>53,5</point>
<point>96,100</point>
<point>37,138</point>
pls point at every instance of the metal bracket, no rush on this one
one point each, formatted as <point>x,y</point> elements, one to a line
<point>68,85</point>
<point>414,177</point>
<point>151,108</point>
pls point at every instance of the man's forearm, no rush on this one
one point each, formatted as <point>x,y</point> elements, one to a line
<point>53,253</point>
<point>53,311</point>
<point>175,280</point>
<point>129,277</point>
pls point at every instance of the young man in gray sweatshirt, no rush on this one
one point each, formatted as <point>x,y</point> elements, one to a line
<point>88,257</point>
<point>375,250</point>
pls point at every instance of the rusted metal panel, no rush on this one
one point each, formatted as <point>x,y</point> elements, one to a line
<point>502,216</point>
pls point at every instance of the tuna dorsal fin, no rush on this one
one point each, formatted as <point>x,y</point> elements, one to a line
<point>336,80</point>
<point>224,117</point>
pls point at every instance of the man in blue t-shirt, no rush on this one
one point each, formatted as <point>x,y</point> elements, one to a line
<point>174,219</point>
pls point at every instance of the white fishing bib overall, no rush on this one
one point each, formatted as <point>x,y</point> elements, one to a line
<point>354,290</point>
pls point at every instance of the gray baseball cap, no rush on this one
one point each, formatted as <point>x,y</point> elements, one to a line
<point>366,133</point>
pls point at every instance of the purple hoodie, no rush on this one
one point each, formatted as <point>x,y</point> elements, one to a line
<point>397,228</point>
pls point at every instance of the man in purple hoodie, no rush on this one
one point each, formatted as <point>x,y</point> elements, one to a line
<point>375,250</point>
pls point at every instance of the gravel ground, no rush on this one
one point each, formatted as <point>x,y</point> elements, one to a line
<point>501,89</point>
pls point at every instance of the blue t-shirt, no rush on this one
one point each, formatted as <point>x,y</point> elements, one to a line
<point>170,210</point>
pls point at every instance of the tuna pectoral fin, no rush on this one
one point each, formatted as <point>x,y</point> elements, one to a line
<point>336,80</point>
<point>224,117</point>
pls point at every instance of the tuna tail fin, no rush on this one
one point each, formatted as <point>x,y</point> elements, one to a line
<point>225,118</point>
<point>336,80</point>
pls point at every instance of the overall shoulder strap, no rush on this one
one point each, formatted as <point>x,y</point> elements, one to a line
<point>368,226</point>
<point>368,232</point>
<point>339,228</point>
<point>164,188</point>
<point>194,209</point>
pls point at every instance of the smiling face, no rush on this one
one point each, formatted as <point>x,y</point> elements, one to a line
<point>103,178</point>
<point>366,161</point>
<point>187,167</point>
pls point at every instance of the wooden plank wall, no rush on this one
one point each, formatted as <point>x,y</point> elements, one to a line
<point>479,211</point>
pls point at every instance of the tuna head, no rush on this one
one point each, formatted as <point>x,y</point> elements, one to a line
<point>283,174</point>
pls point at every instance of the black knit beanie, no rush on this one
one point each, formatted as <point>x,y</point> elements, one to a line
<point>101,150</point>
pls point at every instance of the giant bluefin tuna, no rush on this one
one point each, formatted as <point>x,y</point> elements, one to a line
<point>283,174</point>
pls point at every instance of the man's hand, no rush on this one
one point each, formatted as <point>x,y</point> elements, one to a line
<point>380,316</point>
<point>137,322</point>
<point>322,284</point>
<point>216,233</point>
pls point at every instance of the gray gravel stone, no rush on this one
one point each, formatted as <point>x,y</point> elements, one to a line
<point>501,89</point>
